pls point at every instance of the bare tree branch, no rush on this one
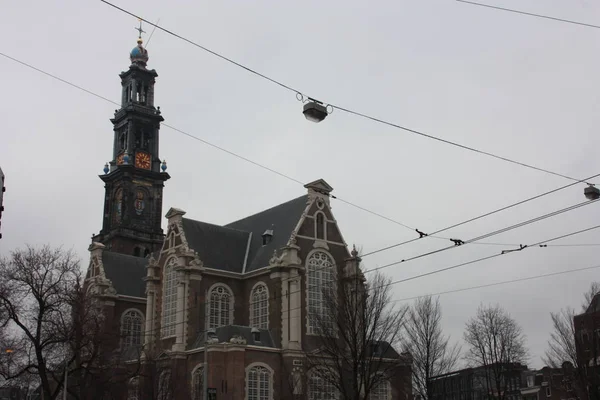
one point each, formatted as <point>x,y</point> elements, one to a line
<point>356,334</point>
<point>432,352</point>
<point>495,342</point>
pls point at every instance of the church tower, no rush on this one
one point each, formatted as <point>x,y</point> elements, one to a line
<point>135,177</point>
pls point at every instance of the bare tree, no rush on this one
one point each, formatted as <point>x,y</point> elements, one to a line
<point>495,342</point>
<point>589,295</point>
<point>51,327</point>
<point>563,343</point>
<point>432,352</point>
<point>561,346</point>
<point>356,327</point>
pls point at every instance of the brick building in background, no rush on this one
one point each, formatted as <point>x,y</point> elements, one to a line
<point>552,384</point>
<point>472,384</point>
<point>587,342</point>
<point>522,384</point>
<point>221,307</point>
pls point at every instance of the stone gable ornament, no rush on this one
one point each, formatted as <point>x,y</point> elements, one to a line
<point>237,339</point>
<point>274,259</point>
<point>212,340</point>
<point>196,261</point>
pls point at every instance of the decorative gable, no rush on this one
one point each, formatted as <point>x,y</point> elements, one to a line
<point>319,189</point>
<point>319,186</point>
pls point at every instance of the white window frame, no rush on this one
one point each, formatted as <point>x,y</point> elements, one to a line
<point>259,309</point>
<point>316,294</point>
<point>316,217</point>
<point>385,394</point>
<point>319,395</point>
<point>126,336</point>
<point>169,298</point>
<point>249,369</point>
<point>209,305</point>
<point>194,391</point>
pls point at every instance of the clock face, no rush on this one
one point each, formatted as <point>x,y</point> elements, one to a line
<point>142,160</point>
<point>120,158</point>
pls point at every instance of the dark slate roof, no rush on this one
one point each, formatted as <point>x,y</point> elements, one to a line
<point>384,349</point>
<point>282,219</point>
<point>224,247</point>
<point>218,247</point>
<point>594,304</point>
<point>126,273</point>
<point>224,333</point>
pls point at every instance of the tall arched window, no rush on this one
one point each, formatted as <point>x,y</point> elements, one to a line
<point>132,322</point>
<point>382,391</point>
<point>321,286</point>
<point>320,225</point>
<point>198,383</point>
<point>164,385</point>
<point>133,389</point>
<point>169,300</point>
<point>220,307</point>
<point>258,383</point>
<point>320,389</point>
<point>259,307</point>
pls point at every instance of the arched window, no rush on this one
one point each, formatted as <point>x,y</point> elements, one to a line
<point>164,385</point>
<point>381,391</point>
<point>320,389</point>
<point>258,383</point>
<point>132,322</point>
<point>198,383</point>
<point>220,307</point>
<point>133,389</point>
<point>321,283</point>
<point>320,225</point>
<point>259,307</point>
<point>169,300</point>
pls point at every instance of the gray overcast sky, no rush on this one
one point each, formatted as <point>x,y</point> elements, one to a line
<point>514,85</point>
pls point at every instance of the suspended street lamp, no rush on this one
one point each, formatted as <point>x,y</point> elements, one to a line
<point>313,110</point>
<point>591,192</point>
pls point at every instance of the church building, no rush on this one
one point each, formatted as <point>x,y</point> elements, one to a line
<point>218,307</point>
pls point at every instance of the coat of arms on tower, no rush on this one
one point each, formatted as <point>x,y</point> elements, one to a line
<point>139,202</point>
<point>118,205</point>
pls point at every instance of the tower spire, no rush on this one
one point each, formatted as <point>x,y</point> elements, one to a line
<point>134,178</point>
<point>140,30</point>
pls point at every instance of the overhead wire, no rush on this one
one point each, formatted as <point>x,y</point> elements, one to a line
<point>523,247</point>
<point>262,166</point>
<point>529,14</point>
<point>267,168</point>
<point>499,283</point>
<point>487,214</point>
<point>347,110</point>
<point>487,235</point>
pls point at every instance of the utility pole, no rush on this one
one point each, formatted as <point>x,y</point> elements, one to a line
<point>2,190</point>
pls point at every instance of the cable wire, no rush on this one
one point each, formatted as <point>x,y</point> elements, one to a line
<point>280,173</point>
<point>491,256</point>
<point>530,14</point>
<point>474,218</point>
<point>496,232</point>
<point>267,168</point>
<point>347,110</point>
<point>499,283</point>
